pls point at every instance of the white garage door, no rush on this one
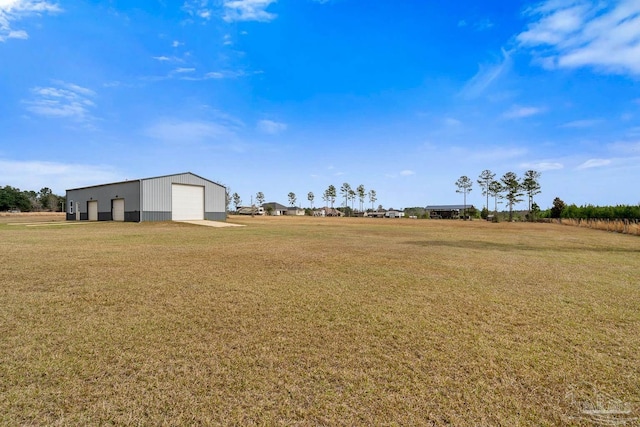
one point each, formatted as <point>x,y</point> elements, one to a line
<point>93,210</point>
<point>187,202</point>
<point>117,209</point>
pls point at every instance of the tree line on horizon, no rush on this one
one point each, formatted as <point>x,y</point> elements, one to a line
<point>512,188</point>
<point>560,209</point>
<point>13,199</point>
<point>329,196</point>
<point>509,187</point>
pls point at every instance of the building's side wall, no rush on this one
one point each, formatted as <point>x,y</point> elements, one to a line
<point>156,197</point>
<point>104,194</point>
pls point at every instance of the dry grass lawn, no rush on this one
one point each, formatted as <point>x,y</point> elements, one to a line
<point>318,321</point>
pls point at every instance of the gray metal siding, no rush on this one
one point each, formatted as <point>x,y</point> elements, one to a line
<point>156,196</point>
<point>155,216</point>
<point>215,216</point>
<point>147,199</point>
<point>129,191</point>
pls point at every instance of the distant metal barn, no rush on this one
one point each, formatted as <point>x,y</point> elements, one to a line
<point>179,197</point>
<point>447,211</point>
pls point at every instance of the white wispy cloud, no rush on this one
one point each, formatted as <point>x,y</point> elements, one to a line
<point>64,100</point>
<point>211,75</point>
<point>271,127</point>
<point>232,10</point>
<point>519,112</point>
<point>486,76</point>
<point>594,163</point>
<point>580,124</point>
<point>480,25</point>
<point>168,59</point>
<point>197,8</point>
<point>15,10</point>
<point>35,174</point>
<point>181,70</point>
<point>407,172</point>
<point>585,33</point>
<point>248,10</point>
<point>214,75</point>
<point>190,74</point>
<point>542,166</point>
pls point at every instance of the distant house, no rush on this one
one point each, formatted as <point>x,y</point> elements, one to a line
<point>446,211</point>
<point>392,213</point>
<point>274,208</point>
<point>295,211</point>
<point>326,211</point>
<point>375,214</point>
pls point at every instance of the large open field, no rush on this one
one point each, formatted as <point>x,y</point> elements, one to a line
<point>318,321</point>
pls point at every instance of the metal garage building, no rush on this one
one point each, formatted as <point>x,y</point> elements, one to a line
<point>179,197</point>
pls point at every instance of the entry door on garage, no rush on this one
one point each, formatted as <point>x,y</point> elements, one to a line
<point>117,209</point>
<point>187,202</point>
<point>92,207</point>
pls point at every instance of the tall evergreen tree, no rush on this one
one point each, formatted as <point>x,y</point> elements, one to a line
<point>464,185</point>
<point>361,195</point>
<point>344,190</point>
<point>513,190</point>
<point>558,207</point>
<point>531,186</point>
<point>292,198</point>
<point>495,190</point>
<point>352,197</point>
<point>484,180</point>
<point>372,197</point>
<point>331,194</point>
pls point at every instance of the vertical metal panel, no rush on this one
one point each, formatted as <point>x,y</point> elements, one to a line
<point>156,195</point>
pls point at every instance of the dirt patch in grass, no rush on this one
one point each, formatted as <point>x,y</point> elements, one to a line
<point>317,321</point>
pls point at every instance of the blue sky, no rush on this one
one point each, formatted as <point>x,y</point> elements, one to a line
<point>403,97</point>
